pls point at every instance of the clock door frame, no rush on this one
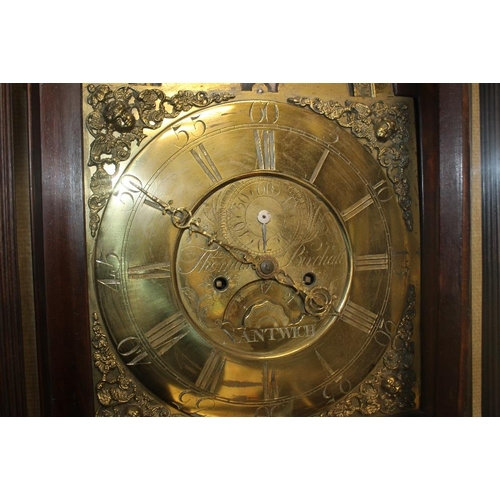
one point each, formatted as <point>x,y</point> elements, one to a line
<point>62,319</point>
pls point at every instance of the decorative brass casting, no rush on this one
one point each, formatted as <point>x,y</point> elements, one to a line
<point>118,395</point>
<point>390,388</point>
<point>118,119</point>
<point>384,129</point>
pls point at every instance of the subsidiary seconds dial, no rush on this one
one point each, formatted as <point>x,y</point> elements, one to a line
<point>263,215</point>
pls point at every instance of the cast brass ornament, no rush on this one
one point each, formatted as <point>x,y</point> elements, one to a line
<point>118,395</point>
<point>118,119</point>
<point>384,129</point>
<point>247,253</point>
<point>391,387</point>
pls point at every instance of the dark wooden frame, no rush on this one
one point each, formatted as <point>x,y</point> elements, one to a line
<point>59,247</point>
<point>13,401</point>
<point>490,174</point>
<point>448,220</point>
<point>59,263</point>
<point>443,113</point>
<point>59,224</point>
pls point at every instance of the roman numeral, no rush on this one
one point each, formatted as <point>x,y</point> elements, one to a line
<point>112,283</point>
<point>150,271</point>
<point>265,148</point>
<point>358,317</point>
<point>211,372</point>
<point>373,262</point>
<point>319,166</point>
<point>361,204</point>
<point>358,207</point>
<point>269,382</point>
<point>166,334</point>
<point>200,154</point>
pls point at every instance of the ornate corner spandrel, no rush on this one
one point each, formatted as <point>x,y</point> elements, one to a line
<point>117,394</point>
<point>383,130</point>
<point>118,119</point>
<point>389,389</point>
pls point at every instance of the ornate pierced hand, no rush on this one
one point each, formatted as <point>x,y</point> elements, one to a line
<point>317,300</point>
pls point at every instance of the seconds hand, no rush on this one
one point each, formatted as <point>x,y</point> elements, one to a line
<point>264,217</point>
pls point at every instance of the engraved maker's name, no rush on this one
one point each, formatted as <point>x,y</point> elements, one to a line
<point>211,261</point>
<point>327,257</point>
<point>218,261</point>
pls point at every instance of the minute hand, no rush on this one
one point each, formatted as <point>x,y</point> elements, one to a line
<point>317,301</point>
<point>182,218</point>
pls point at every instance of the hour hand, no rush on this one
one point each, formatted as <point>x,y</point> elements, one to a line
<point>318,300</point>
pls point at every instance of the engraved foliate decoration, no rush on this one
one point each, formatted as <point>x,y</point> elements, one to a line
<point>118,120</point>
<point>383,129</point>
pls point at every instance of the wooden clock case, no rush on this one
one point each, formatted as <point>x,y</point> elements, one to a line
<point>52,138</point>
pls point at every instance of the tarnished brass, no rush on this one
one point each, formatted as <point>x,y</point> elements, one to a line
<point>253,249</point>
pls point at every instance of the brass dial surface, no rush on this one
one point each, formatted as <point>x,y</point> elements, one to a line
<point>296,315</point>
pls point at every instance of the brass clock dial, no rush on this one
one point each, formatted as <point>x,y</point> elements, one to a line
<point>254,259</point>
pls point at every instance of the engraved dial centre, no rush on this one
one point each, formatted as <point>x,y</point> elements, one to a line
<point>266,307</point>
